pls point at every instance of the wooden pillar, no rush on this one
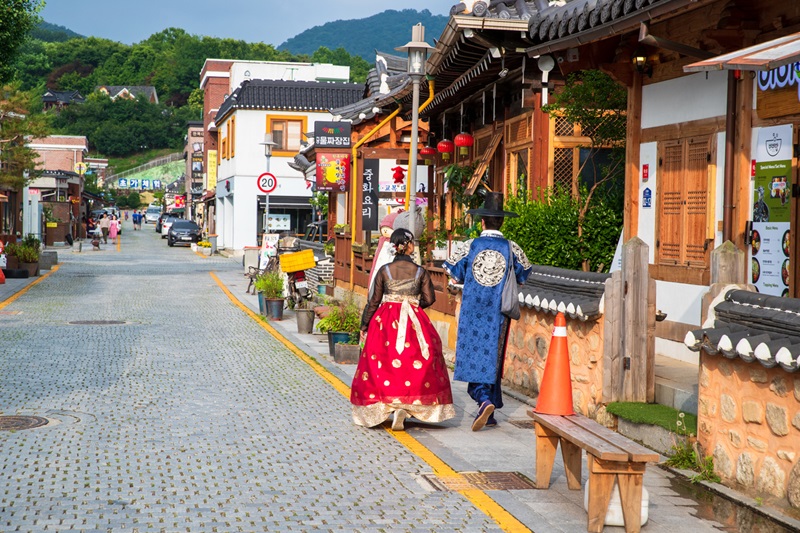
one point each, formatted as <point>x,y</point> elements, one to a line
<point>632,156</point>
<point>742,186</point>
<point>539,178</point>
<point>638,344</point>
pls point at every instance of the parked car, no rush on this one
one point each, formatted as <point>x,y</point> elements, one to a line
<point>152,214</point>
<point>160,220</point>
<point>167,223</point>
<point>183,232</point>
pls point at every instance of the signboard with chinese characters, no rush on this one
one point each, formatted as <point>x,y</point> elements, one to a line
<point>156,184</point>
<point>133,184</point>
<point>332,134</point>
<point>769,253</point>
<point>369,185</point>
<point>145,184</point>
<point>122,183</point>
<point>333,172</point>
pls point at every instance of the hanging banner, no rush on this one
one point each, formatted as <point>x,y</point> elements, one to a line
<point>333,172</point>
<point>393,177</point>
<point>212,169</point>
<point>769,260</point>
<point>369,210</point>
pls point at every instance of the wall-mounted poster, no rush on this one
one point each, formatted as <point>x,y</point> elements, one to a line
<point>393,177</point>
<point>333,172</point>
<point>769,252</point>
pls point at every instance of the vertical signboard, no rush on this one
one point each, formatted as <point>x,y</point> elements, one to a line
<point>769,261</point>
<point>212,169</point>
<point>369,210</point>
<point>333,172</point>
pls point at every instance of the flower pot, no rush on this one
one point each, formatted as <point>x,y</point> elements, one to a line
<point>32,268</point>
<point>346,354</point>
<point>275,308</point>
<point>262,304</point>
<point>336,337</point>
<point>305,320</point>
<point>194,246</point>
<point>12,263</point>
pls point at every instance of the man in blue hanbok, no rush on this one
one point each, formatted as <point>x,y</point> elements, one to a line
<point>481,264</point>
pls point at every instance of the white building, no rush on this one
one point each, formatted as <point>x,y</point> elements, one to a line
<point>287,110</point>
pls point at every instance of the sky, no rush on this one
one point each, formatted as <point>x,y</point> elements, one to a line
<point>268,21</point>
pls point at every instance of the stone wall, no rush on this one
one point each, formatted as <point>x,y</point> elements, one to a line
<point>749,419</point>
<point>528,344</point>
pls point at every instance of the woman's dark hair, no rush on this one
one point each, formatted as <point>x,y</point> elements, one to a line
<point>400,239</point>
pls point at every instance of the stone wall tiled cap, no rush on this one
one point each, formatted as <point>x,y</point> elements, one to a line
<point>576,294</point>
<point>753,327</point>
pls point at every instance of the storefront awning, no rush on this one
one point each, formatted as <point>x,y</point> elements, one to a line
<point>761,57</point>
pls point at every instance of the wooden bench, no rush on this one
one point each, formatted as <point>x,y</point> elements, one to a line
<point>610,457</point>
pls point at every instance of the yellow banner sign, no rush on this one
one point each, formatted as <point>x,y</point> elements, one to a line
<point>212,169</point>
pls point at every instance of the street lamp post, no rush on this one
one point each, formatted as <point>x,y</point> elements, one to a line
<point>268,146</point>
<point>417,50</point>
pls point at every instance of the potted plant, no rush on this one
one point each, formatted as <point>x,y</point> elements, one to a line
<point>305,317</point>
<point>28,257</point>
<point>342,324</point>
<point>12,263</point>
<point>270,287</point>
<point>341,229</point>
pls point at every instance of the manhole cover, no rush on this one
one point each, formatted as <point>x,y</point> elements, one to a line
<point>97,322</point>
<point>16,423</point>
<point>481,481</point>
<point>524,424</point>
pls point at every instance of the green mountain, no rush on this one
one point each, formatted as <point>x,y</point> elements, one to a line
<point>53,33</point>
<point>361,37</point>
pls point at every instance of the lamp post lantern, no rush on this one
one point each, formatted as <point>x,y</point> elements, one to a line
<point>268,145</point>
<point>417,50</point>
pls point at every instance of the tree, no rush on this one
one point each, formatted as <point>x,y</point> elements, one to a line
<point>134,200</point>
<point>17,125</point>
<point>17,19</point>
<point>592,100</point>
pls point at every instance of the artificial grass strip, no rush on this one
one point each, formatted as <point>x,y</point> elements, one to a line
<point>655,414</point>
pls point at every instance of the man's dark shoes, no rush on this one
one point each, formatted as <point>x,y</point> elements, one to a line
<point>491,422</point>
<point>485,411</point>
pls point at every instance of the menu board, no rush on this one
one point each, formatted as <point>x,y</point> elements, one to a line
<point>769,253</point>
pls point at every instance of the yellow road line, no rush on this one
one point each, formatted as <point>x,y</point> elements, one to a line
<point>204,256</point>
<point>479,498</point>
<point>27,287</point>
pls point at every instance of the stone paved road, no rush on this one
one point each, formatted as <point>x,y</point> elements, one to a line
<point>187,417</point>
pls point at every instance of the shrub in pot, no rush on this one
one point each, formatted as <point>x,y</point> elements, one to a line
<point>28,257</point>
<point>342,324</point>
<point>270,285</point>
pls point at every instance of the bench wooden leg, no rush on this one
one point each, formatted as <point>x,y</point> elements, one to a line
<point>546,446</point>
<point>571,453</point>
<point>630,491</point>
<point>602,475</point>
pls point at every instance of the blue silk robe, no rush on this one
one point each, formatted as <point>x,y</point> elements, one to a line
<point>480,264</point>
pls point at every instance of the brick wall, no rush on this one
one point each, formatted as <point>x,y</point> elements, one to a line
<point>323,271</point>
<point>749,419</point>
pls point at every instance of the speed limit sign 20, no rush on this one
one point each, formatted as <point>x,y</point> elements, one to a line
<point>267,183</point>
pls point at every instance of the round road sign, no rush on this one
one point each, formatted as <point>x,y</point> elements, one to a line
<point>267,182</point>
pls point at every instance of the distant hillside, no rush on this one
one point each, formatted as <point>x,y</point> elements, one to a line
<point>53,33</point>
<point>384,31</point>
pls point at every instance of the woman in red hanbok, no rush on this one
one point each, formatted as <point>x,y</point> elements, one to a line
<point>401,372</point>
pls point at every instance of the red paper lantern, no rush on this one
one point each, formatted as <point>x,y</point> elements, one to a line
<point>427,152</point>
<point>446,147</point>
<point>464,141</point>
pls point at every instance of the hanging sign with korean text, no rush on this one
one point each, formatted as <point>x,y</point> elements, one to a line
<point>333,172</point>
<point>332,134</point>
<point>369,184</point>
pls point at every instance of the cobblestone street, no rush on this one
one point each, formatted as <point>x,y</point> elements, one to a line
<point>186,415</point>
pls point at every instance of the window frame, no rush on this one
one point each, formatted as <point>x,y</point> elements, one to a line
<point>272,119</point>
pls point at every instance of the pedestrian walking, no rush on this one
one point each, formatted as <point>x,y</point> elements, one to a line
<point>481,265</point>
<point>135,218</point>
<point>104,225</point>
<point>113,229</point>
<point>402,372</point>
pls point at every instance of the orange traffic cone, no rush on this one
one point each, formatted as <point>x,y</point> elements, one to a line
<point>555,391</point>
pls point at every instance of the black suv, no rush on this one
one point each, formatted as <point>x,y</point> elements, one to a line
<point>183,232</point>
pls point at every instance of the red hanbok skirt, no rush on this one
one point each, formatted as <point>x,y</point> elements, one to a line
<point>386,380</point>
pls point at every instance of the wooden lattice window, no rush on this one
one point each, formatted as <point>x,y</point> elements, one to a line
<point>563,127</point>
<point>683,202</point>
<point>563,168</point>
